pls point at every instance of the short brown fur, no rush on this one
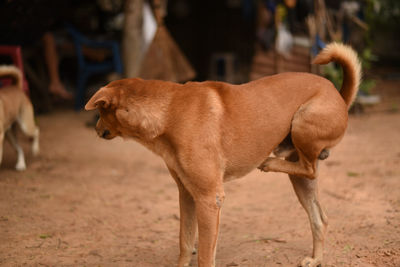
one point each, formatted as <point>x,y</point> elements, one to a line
<point>212,132</point>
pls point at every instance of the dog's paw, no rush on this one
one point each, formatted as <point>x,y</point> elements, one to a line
<point>265,165</point>
<point>310,262</point>
<point>184,264</point>
<point>20,166</point>
<point>185,260</point>
<point>262,168</point>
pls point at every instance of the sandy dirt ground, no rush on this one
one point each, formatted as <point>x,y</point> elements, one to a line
<point>90,202</point>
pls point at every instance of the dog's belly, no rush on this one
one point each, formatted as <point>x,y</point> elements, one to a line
<point>243,161</point>
<point>235,171</point>
<point>245,147</point>
<point>238,172</point>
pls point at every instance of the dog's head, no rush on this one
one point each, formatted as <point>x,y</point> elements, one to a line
<point>127,110</point>
<point>106,100</point>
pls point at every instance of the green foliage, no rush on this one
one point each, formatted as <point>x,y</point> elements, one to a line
<point>382,13</point>
<point>334,74</point>
<point>367,58</point>
<point>367,85</point>
<point>352,174</point>
<point>44,236</point>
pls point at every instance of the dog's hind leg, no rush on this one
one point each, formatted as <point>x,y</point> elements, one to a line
<point>307,193</point>
<point>188,223</point>
<point>20,166</point>
<point>27,124</point>
<point>302,168</point>
<point>315,128</point>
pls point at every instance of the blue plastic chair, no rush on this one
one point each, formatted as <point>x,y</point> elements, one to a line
<point>86,69</point>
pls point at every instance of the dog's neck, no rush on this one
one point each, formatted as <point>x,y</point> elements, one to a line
<point>147,114</point>
<point>158,145</point>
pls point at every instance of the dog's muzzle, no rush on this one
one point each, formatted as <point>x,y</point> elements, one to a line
<point>105,134</point>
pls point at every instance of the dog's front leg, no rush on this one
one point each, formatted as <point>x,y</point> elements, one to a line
<point>188,223</point>
<point>208,208</point>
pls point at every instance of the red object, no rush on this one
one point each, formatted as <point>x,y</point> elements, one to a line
<point>15,53</point>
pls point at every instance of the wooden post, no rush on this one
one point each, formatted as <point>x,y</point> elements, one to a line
<point>132,43</point>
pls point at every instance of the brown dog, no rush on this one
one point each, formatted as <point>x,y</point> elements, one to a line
<point>212,132</point>
<point>16,109</point>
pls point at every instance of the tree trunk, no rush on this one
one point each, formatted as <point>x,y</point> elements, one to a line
<point>132,44</point>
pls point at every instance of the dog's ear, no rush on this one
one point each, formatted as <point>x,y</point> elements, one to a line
<point>102,98</point>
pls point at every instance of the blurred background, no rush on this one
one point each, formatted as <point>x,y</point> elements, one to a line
<point>88,202</point>
<point>70,48</point>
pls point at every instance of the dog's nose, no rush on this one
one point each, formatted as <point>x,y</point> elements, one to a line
<point>105,133</point>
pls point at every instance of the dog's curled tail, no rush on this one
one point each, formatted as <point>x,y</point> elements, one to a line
<point>12,72</point>
<point>348,59</point>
